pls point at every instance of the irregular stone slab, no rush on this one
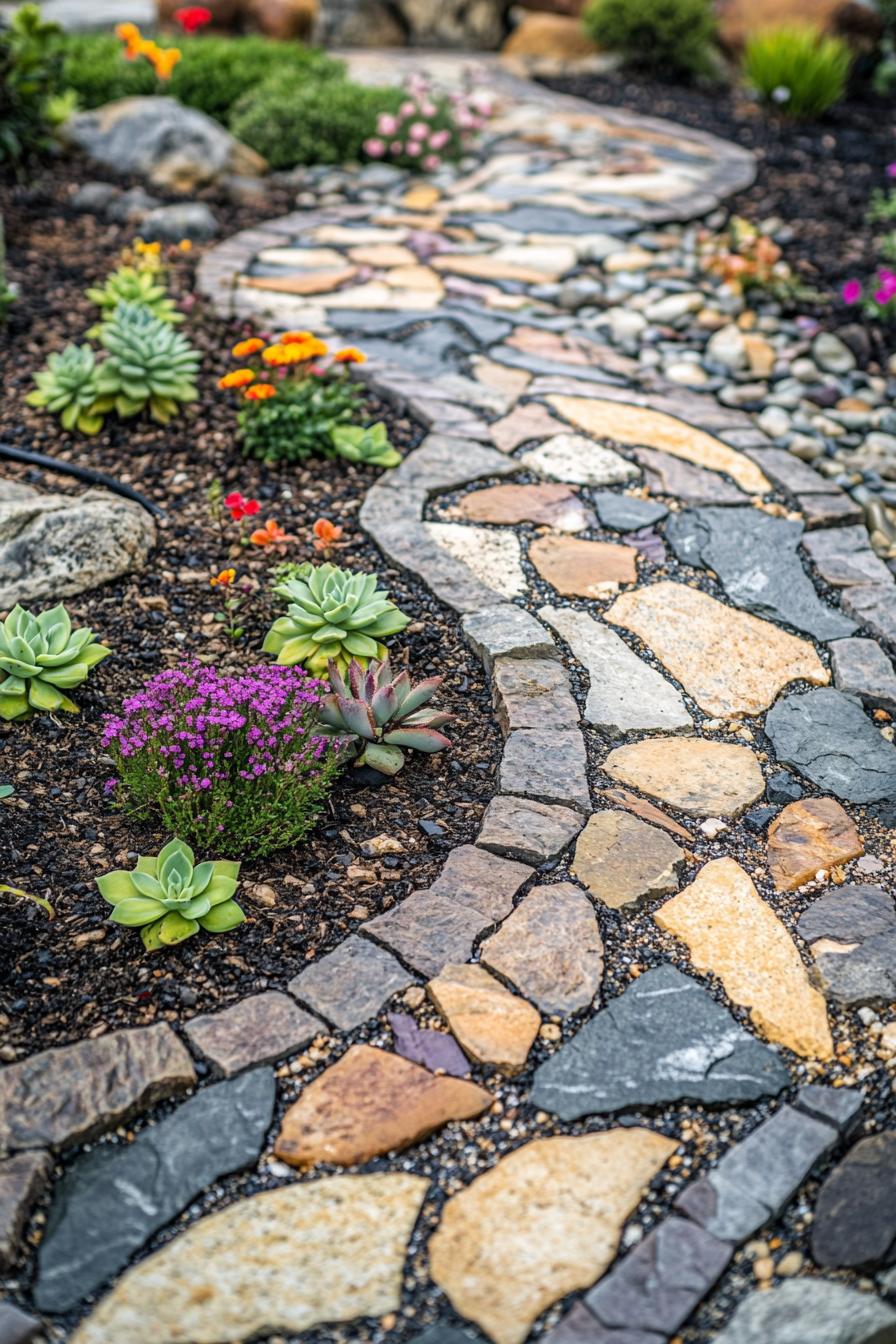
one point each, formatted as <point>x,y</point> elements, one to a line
<point>625,694</point>
<point>667,475</point>
<point>17,1327</point>
<point>827,738</point>
<point>554,505</point>
<point>581,461</point>
<point>492,557</point>
<point>844,557</point>
<point>829,510</point>
<point>318,1251</point>
<point>811,1308</point>
<point>732,933</point>
<point>530,420</point>
<point>660,1282</point>
<point>369,1103</point>
<point>852,932</point>
<point>646,811</point>
<point>579,1326</point>
<point>807,836</point>
<point>637,426</point>
<point>855,1213</point>
<point>258,1030</point>
<point>349,985</point>
<point>437,1051</point>
<point>428,930</point>
<point>755,558</point>
<point>861,669</point>
<point>551,949</point>
<point>758,1176</point>
<point>731,663</point>
<point>583,568</point>
<point>549,766</point>
<point>472,876</point>
<point>72,1093</point>
<point>521,828</point>
<point>663,1039</point>
<point>54,546</point>
<point>837,1106</point>
<point>113,1198</point>
<point>624,862</point>
<point>533,693</point>
<point>628,513</point>
<point>702,778</point>
<point>506,631</point>
<point>500,1267</point>
<point>874,607</point>
<point>23,1179</point>
<point>492,1025</point>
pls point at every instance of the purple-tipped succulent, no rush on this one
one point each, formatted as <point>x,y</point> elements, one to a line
<point>377,714</point>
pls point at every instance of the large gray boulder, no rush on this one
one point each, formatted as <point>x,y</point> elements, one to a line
<point>171,146</point>
<point>54,546</point>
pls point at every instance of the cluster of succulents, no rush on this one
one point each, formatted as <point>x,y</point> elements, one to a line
<point>68,387</point>
<point>133,284</point>
<point>376,714</point>
<point>169,897</point>
<point>369,446</point>
<point>42,657</point>
<point>333,615</point>
<point>149,365</point>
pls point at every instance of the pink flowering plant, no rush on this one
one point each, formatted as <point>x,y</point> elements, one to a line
<point>429,128</point>
<point>224,759</point>
<point>878,297</point>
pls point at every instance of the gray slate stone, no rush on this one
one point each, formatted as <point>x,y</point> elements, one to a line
<point>521,828</point>
<point>112,1199</point>
<point>349,985</point>
<point>816,1310</point>
<point>837,1106</point>
<point>579,1326</point>
<point>667,475</point>
<point>757,1177</point>
<point>22,1180</point>
<point>627,513</point>
<point>874,606</point>
<point>429,931</point>
<point>855,1213</point>
<point>663,1039</point>
<point>533,693</point>
<point>844,558</point>
<point>834,509</point>
<point>755,558</point>
<point>258,1030</point>
<point>826,737</point>
<point>548,766</point>
<point>172,223</point>
<point>863,920</point>
<point>506,631</point>
<point>16,1326</point>
<point>658,1284</point>
<point>482,880</point>
<point>862,669</point>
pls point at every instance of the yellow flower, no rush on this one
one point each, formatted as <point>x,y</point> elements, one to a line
<point>274,354</point>
<point>289,336</point>
<point>147,249</point>
<point>164,61</point>
<point>260,392</point>
<point>243,349</point>
<point>128,32</point>
<point>239,378</point>
<point>350,355</point>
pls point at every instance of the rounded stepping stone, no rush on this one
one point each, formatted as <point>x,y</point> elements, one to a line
<point>703,778</point>
<point>550,948</point>
<point>624,862</point>
<point>492,1025</point>
<point>810,1309</point>
<point>628,513</point>
<point>583,568</point>
<point>808,836</point>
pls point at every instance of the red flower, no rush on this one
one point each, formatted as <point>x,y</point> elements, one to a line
<point>193,17</point>
<point>238,507</point>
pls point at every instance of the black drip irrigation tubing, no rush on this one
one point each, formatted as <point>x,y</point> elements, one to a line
<point>82,473</point>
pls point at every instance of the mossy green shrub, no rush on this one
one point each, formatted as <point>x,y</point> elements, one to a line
<point>662,35</point>
<point>798,70</point>
<point>324,121</point>
<point>212,74</point>
<point>30,86</point>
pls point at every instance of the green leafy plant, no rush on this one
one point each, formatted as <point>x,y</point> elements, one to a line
<point>797,69</point>
<point>6,791</point>
<point>169,897</point>
<point>662,35</point>
<point>42,656</point>
<point>332,614</point>
<point>132,284</point>
<point>30,81</point>
<point>149,364</point>
<point>299,420</point>
<point>375,714</point>
<point>370,447</point>
<point>69,387</point>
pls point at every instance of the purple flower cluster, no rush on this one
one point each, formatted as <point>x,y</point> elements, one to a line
<point>225,753</point>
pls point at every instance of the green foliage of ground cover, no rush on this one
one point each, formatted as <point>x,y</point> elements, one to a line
<point>661,35</point>
<point>315,121</point>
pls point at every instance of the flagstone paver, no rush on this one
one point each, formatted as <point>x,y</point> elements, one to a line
<point>855,1215</point>
<point>435,1050</point>
<point>23,1179</point>
<point>350,984</point>
<point>492,1025</point>
<point>624,862</point>
<point>583,568</point>
<point>826,737</point>
<point>258,1030</point>
<point>581,461</point>
<point>807,836</point>
<point>550,948</point>
<point>851,931</point>
<point>555,505</point>
<point>816,1309</point>
<point>701,777</point>
<point>521,828</point>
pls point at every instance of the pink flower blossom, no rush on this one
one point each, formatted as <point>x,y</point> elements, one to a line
<point>418,130</point>
<point>374,147</point>
<point>408,109</point>
<point>852,291</point>
<point>413,148</point>
<point>431,162</point>
<point>428,109</point>
<point>439,139</point>
<point>386,124</point>
<point>396,148</point>
<point>891,170</point>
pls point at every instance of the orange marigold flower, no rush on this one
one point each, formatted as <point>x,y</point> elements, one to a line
<point>238,378</point>
<point>272,534</point>
<point>297,352</point>
<point>274,354</point>
<point>260,392</point>
<point>350,355</point>
<point>289,336</point>
<point>224,579</point>
<point>185,245</point>
<point>243,349</point>
<point>317,347</point>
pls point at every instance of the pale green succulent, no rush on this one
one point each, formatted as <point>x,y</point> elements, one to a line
<point>128,284</point>
<point>149,364</point>
<point>169,897</point>
<point>332,614</point>
<point>42,657</point>
<point>69,387</point>
<point>370,447</point>
<point>377,714</point>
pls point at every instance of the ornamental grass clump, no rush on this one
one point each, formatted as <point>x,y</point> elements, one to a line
<point>798,69</point>
<point>234,759</point>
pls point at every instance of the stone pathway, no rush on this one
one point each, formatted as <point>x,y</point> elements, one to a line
<point>655,998</point>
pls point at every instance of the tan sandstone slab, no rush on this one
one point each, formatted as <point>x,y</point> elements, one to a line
<point>285,1260</point>
<point>732,663</point>
<point>306,282</point>
<point>583,568</point>
<point>382,254</point>
<point>807,836</point>
<point>543,1222</point>
<point>492,1025</point>
<point>705,779</point>
<point>484,266</point>
<point>636,425</point>
<point>550,948</point>
<point>732,933</point>
<point>623,861</point>
<point>556,506</point>
<point>369,1103</point>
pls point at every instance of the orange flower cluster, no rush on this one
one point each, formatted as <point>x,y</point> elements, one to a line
<point>294,352</point>
<point>162,59</point>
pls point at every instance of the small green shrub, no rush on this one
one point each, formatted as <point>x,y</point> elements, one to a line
<point>291,123</point>
<point>299,420</point>
<point>798,69</point>
<point>30,85</point>
<point>664,35</point>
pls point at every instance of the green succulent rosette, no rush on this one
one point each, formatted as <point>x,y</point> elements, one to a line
<point>41,657</point>
<point>169,897</point>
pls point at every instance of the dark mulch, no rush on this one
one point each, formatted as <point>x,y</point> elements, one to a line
<point>75,975</point>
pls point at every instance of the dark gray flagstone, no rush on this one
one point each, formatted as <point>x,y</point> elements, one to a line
<point>826,736</point>
<point>855,1213</point>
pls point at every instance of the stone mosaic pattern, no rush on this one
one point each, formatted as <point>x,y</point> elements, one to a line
<point>604,973</point>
